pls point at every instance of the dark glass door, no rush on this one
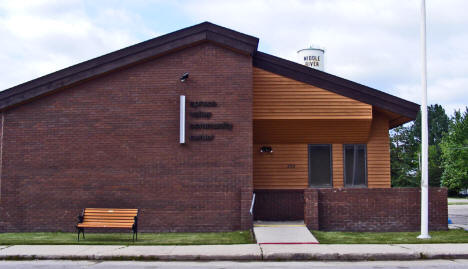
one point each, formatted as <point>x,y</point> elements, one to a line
<point>320,166</point>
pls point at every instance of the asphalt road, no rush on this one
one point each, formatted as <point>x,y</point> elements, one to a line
<point>218,265</point>
<point>458,214</point>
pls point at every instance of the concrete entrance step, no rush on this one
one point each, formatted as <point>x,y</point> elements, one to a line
<point>283,232</point>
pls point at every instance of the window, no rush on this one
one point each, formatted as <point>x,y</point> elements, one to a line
<point>320,166</point>
<point>355,170</point>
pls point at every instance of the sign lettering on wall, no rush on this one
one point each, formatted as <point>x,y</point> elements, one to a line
<point>196,126</point>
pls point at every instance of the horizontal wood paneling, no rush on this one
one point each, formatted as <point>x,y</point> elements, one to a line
<point>278,97</point>
<point>378,154</point>
<point>337,156</point>
<point>311,131</point>
<point>270,170</point>
<point>289,114</point>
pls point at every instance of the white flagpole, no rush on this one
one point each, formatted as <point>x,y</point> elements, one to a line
<point>424,132</point>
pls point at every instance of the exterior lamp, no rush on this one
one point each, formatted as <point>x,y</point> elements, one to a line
<point>266,149</point>
<point>184,77</point>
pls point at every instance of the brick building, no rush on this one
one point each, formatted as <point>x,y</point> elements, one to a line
<point>106,133</point>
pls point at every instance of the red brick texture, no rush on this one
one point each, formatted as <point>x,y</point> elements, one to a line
<point>277,205</point>
<point>113,141</point>
<point>246,203</point>
<point>380,210</point>
<point>311,217</point>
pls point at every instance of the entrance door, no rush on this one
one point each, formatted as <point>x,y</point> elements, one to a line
<point>320,166</point>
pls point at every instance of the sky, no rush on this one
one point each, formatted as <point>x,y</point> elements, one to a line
<point>375,43</point>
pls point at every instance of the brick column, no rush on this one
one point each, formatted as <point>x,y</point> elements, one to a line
<point>311,209</point>
<point>438,209</point>
<point>246,201</point>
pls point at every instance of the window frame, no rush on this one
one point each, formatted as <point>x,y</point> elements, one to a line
<point>365,167</point>
<point>330,184</point>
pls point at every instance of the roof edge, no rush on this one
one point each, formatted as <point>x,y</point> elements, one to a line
<point>203,32</point>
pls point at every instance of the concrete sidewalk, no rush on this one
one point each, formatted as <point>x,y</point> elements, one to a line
<point>248,252</point>
<point>283,232</point>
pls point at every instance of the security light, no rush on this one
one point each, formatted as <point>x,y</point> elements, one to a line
<point>184,77</point>
<point>266,149</point>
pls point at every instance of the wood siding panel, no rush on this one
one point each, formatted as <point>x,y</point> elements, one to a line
<point>278,97</point>
<point>378,154</point>
<point>311,131</point>
<point>270,170</point>
<point>337,156</point>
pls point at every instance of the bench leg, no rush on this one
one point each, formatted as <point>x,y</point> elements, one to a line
<point>80,230</point>
<point>135,234</point>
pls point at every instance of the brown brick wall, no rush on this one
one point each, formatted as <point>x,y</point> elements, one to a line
<point>246,203</point>
<point>277,205</point>
<point>381,210</point>
<point>113,142</point>
<point>311,218</point>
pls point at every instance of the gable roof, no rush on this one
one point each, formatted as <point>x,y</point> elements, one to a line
<point>191,36</point>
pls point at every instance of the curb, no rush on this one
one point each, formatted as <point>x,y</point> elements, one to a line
<point>239,253</point>
<point>133,258</point>
<point>275,257</point>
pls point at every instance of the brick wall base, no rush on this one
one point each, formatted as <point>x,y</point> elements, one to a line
<point>278,205</point>
<point>311,217</point>
<point>380,210</point>
<point>246,202</point>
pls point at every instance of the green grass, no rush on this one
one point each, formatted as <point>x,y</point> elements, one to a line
<point>59,238</point>
<point>450,236</point>
<point>457,203</point>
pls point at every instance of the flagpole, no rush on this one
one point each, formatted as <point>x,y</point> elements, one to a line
<point>424,132</point>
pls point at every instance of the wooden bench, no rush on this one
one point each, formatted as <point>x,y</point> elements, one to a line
<point>108,218</point>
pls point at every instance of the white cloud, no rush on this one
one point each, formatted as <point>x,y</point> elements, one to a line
<point>449,92</point>
<point>39,37</point>
<point>375,43</point>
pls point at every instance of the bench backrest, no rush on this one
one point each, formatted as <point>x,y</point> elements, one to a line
<point>109,215</point>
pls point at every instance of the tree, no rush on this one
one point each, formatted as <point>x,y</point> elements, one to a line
<point>406,148</point>
<point>455,154</point>
<point>404,165</point>
<point>438,123</point>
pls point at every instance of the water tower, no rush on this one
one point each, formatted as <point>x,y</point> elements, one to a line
<point>312,57</point>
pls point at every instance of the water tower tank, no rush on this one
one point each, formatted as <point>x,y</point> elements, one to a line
<point>312,57</point>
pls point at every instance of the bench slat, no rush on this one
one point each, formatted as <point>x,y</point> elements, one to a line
<point>110,210</point>
<point>109,217</point>
<point>109,220</point>
<point>114,215</point>
<point>104,225</point>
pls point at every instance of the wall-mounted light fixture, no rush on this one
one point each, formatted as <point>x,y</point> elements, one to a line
<point>184,77</point>
<point>266,149</point>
